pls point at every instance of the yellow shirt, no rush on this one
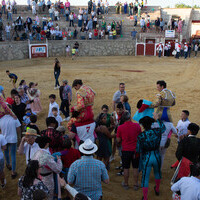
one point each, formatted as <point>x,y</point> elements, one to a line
<point>114,32</point>
<point>73,51</point>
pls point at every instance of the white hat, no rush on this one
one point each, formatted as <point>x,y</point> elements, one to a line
<point>185,42</point>
<point>88,147</point>
<point>169,42</point>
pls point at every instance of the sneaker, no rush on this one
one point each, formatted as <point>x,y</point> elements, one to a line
<point>119,168</point>
<point>58,87</point>
<point>55,88</point>
<point>66,119</point>
<point>13,176</point>
<point>4,184</point>
<point>156,193</point>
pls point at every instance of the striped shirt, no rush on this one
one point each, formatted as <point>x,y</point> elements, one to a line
<point>86,174</point>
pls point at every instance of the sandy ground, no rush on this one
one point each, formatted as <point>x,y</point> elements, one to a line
<point>103,74</point>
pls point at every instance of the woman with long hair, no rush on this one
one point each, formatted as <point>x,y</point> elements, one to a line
<point>148,143</point>
<point>34,94</point>
<point>30,181</point>
<point>104,135</point>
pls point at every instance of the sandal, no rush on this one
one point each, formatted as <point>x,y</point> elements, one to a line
<point>9,167</point>
<point>126,187</point>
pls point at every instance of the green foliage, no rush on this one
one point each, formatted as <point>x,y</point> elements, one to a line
<point>182,5</point>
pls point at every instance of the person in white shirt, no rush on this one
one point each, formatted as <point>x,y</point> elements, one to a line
<point>11,128</point>
<point>178,50</point>
<point>3,143</point>
<point>90,35</point>
<point>182,125</point>
<point>189,187</point>
<point>160,49</point>
<point>109,27</point>
<point>56,14</point>
<point>196,48</point>
<point>165,139</point>
<point>67,49</point>
<point>169,49</point>
<point>8,29</point>
<point>33,7</point>
<point>142,24</point>
<point>52,104</point>
<point>57,116</point>
<point>71,20</point>
<point>106,7</point>
<point>28,146</point>
<point>186,50</point>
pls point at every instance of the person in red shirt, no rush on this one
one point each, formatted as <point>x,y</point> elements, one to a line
<point>96,33</point>
<point>127,134</point>
<point>69,155</point>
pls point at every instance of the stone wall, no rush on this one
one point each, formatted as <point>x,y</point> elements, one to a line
<point>19,50</point>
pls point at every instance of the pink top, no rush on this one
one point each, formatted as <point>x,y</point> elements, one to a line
<point>3,3</point>
<point>67,4</point>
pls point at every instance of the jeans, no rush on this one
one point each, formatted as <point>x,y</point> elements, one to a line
<point>71,23</point>
<point>9,16</point>
<point>62,11</point>
<point>51,16</point>
<point>56,75</point>
<point>67,18</point>
<point>13,149</point>
<point>38,36</point>
<point>159,54</point>
<point>8,35</point>
<point>186,54</point>
<point>3,9</point>
<point>65,104</point>
<point>80,23</point>
<point>177,55</point>
<point>106,10</point>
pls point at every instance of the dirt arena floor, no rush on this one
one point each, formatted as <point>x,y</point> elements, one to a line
<point>104,74</point>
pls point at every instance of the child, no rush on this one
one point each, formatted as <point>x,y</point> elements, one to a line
<point>2,146</point>
<point>32,124</point>
<point>52,104</point>
<point>90,35</point>
<point>67,50</point>
<point>124,100</point>
<point>13,77</point>
<point>69,157</point>
<point>26,117</point>
<point>73,53</point>
<point>182,125</point>
<point>57,116</point>
<point>8,29</point>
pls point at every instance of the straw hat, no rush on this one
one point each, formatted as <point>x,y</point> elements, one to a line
<point>88,147</point>
<point>31,132</point>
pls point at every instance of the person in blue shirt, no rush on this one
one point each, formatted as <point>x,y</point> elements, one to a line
<point>13,77</point>
<point>148,143</point>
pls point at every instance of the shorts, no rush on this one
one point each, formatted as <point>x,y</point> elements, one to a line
<point>1,164</point>
<point>73,54</point>
<point>14,81</point>
<point>76,50</point>
<point>128,157</point>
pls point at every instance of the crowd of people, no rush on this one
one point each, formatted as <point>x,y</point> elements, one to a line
<point>88,23</point>
<point>181,49</point>
<point>78,150</point>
